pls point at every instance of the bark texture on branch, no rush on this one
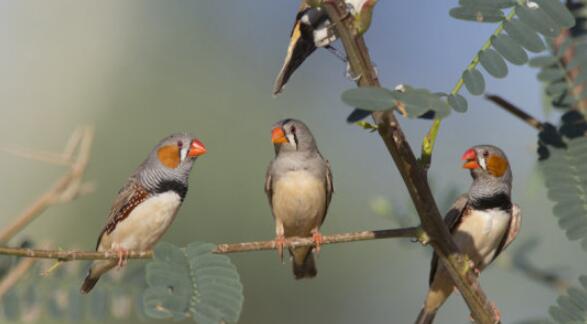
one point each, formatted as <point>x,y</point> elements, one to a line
<point>413,175</point>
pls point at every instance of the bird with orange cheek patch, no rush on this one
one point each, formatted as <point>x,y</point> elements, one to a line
<point>483,222</point>
<point>146,206</point>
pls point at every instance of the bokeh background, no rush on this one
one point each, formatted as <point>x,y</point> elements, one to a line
<point>139,70</point>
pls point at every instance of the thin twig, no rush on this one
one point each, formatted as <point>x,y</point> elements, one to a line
<point>413,175</point>
<point>63,256</point>
<point>63,190</point>
<point>514,110</point>
<point>430,139</point>
<point>328,239</point>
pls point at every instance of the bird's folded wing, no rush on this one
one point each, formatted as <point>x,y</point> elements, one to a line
<point>130,196</point>
<point>451,219</point>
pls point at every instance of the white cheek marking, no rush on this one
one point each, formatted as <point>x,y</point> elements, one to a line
<point>482,163</point>
<point>183,153</point>
<point>292,140</point>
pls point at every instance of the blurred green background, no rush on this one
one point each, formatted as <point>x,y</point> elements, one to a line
<point>142,69</point>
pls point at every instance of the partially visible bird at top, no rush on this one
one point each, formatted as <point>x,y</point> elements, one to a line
<point>311,30</point>
<point>147,204</point>
<point>299,187</point>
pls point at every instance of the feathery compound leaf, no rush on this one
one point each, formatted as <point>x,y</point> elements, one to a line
<point>477,13</point>
<point>415,102</point>
<point>474,81</point>
<point>369,98</point>
<point>572,307</point>
<point>493,63</point>
<point>527,37</point>
<point>457,102</point>
<point>509,49</point>
<point>193,282</point>
<point>558,12</point>
<point>565,174</point>
<point>536,18</point>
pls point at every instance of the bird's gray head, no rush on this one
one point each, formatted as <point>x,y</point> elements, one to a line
<point>292,135</point>
<point>490,170</point>
<point>172,159</point>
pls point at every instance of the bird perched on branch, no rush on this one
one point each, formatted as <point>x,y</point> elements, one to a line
<point>146,206</point>
<point>299,187</point>
<point>483,222</point>
<point>312,29</point>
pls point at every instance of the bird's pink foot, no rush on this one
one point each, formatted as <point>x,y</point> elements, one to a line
<point>122,257</point>
<point>474,268</point>
<point>318,239</point>
<point>279,244</point>
<point>496,312</point>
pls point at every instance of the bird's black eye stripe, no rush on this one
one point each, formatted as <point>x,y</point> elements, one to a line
<point>485,154</point>
<point>179,144</point>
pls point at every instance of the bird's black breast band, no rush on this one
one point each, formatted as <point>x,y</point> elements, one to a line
<point>172,185</point>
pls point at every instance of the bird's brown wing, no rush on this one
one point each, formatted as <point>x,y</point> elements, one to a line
<point>329,189</point>
<point>451,219</point>
<point>130,196</point>
<point>512,231</point>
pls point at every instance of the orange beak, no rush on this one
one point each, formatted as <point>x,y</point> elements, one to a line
<point>278,136</point>
<point>197,148</point>
<point>470,158</point>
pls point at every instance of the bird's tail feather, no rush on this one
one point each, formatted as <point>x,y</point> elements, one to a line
<point>425,317</point>
<point>97,269</point>
<point>304,265</point>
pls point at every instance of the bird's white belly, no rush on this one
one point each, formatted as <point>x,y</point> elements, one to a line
<point>480,233</point>
<point>145,225</point>
<point>299,200</point>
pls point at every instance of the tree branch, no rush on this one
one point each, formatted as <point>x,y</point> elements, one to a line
<point>412,232</point>
<point>64,189</point>
<point>408,232</point>
<point>516,111</point>
<point>413,175</point>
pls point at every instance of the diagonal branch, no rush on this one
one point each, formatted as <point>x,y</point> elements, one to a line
<point>515,110</point>
<point>413,175</point>
<point>60,255</point>
<point>64,189</point>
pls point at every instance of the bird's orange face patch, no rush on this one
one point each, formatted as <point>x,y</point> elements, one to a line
<point>496,165</point>
<point>169,156</point>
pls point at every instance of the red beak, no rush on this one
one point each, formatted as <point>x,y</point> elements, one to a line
<point>278,136</point>
<point>470,158</point>
<point>197,148</point>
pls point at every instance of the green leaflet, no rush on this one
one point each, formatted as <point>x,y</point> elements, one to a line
<point>524,35</point>
<point>192,282</point>
<point>474,82</point>
<point>558,12</point>
<point>537,19</point>
<point>571,307</point>
<point>493,63</point>
<point>457,102</point>
<point>414,101</point>
<point>369,98</point>
<point>509,49</point>
<point>480,14</point>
